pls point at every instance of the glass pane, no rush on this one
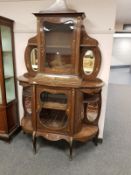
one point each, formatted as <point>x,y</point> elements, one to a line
<point>53,118</point>
<point>58,39</point>
<point>10,89</point>
<point>8,64</point>
<point>0,95</point>
<point>53,112</point>
<point>48,97</point>
<point>6,38</point>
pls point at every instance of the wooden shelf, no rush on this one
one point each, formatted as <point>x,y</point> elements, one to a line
<point>54,105</point>
<point>58,46</point>
<point>86,132</point>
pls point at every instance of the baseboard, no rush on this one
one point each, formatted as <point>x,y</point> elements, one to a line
<point>120,66</point>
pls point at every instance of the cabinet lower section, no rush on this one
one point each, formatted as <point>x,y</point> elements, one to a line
<point>9,122</point>
<point>61,113</point>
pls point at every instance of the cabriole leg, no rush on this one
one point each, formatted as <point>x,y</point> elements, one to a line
<point>34,141</point>
<point>71,147</point>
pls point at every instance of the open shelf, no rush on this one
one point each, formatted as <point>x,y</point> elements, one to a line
<point>91,98</point>
<point>55,98</point>
<point>53,119</point>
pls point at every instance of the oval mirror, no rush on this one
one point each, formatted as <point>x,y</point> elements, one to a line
<point>34,59</point>
<point>88,62</point>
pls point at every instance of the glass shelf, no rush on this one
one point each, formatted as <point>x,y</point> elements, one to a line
<point>8,76</point>
<point>10,89</point>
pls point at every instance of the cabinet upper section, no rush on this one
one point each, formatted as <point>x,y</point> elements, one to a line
<point>62,47</point>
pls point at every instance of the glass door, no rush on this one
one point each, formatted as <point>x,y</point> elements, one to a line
<point>58,41</point>
<point>7,54</point>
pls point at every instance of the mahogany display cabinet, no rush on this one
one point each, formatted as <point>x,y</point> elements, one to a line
<point>61,91</point>
<point>9,118</point>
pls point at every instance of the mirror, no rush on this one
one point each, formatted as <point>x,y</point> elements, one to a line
<point>92,111</point>
<point>34,59</point>
<point>88,62</point>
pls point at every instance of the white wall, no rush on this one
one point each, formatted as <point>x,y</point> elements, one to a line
<point>99,23</point>
<point>121,54</point>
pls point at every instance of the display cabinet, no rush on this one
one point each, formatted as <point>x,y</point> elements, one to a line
<point>61,91</point>
<point>9,119</point>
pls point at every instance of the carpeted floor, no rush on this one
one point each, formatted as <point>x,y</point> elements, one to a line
<point>113,157</point>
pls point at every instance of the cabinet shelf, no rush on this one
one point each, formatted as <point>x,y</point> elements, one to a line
<point>8,76</point>
<point>6,51</point>
<point>58,46</point>
<point>54,105</point>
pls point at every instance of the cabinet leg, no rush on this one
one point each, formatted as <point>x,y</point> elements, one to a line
<point>95,140</point>
<point>34,141</point>
<point>71,147</point>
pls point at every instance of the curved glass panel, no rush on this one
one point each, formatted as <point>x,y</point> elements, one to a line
<point>53,112</point>
<point>34,59</point>
<point>27,100</point>
<point>88,62</point>
<point>53,118</point>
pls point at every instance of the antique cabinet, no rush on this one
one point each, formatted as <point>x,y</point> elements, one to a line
<point>9,122</point>
<point>61,91</point>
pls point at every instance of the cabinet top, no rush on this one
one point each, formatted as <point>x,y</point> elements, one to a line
<point>64,13</point>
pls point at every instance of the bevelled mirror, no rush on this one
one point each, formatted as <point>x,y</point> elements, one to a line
<point>34,59</point>
<point>92,111</point>
<point>88,62</point>
<point>31,57</point>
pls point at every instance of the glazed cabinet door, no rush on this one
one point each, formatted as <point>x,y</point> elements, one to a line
<point>8,65</point>
<point>57,45</point>
<point>8,96</point>
<point>53,109</point>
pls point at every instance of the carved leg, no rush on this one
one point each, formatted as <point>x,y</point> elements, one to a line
<point>71,147</point>
<point>34,141</point>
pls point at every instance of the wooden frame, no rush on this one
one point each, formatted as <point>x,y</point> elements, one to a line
<point>8,110</point>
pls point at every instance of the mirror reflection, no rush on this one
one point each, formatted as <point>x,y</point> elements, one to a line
<point>88,62</point>
<point>92,111</point>
<point>34,59</point>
